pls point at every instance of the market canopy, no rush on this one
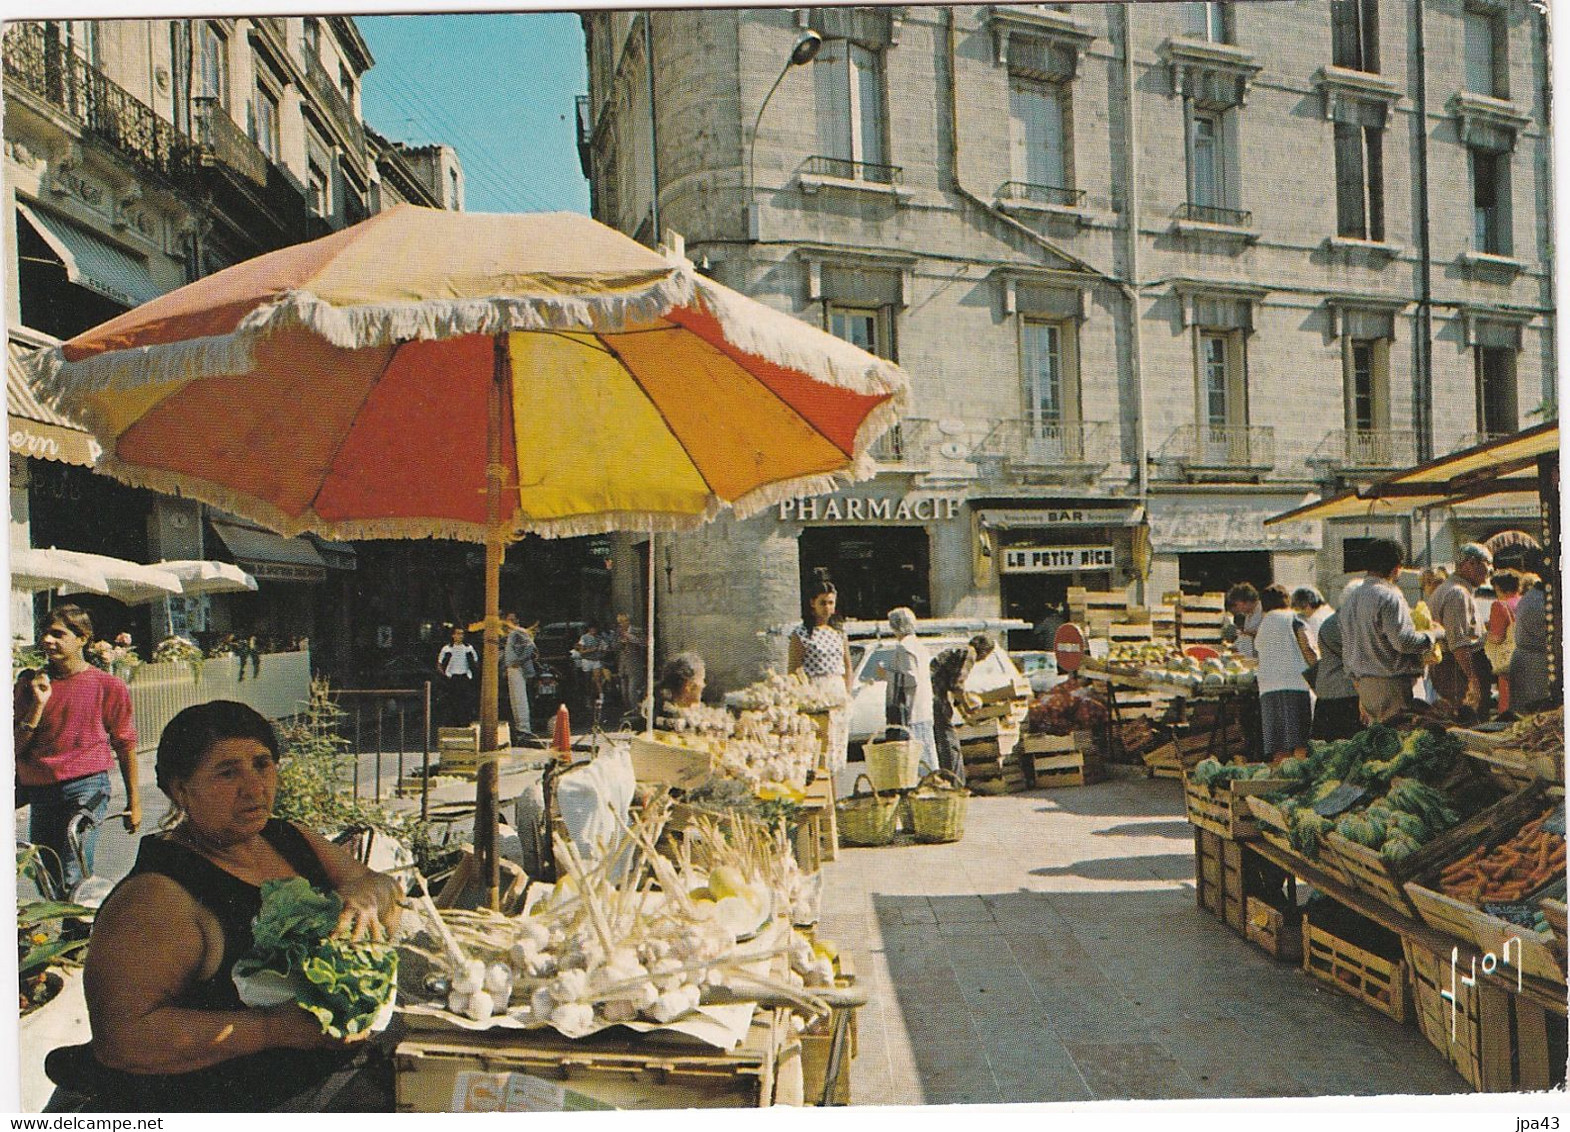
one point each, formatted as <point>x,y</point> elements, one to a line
<point>1498,470</point>
<point>34,428</point>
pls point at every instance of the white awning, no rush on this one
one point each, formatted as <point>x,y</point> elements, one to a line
<point>91,261</point>
<point>1186,524</point>
<point>35,428</point>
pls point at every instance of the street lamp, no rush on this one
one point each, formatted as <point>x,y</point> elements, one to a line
<point>804,52</point>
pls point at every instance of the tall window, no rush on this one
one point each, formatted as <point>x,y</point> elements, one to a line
<point>1362,397</point>
<point>1354,34</point>
<point>264,126</point>
<point>1216,389</point>
<point>313,37</point>
<point>346,85</point>
<point>848,81</point>
<point>214,47</point>
<point>1484,41</point>
<point>319,189</point>
<point>867,327</point>
<point>1490,202</point>
<point>1208,164</point>
<point>1036,132</point>
<point>1209,22</point>
<point>1360,182</point>
<point>1222,409</point>
<point>1496,391</point>
<point>452,188</point>
<point>1041,347</point>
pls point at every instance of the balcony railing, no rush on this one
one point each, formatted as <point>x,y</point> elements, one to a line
<point>1473,439</point>
<point>909,443</point>
<point>325,91</point>
<point>53,72</point>
<point>1213,448</point>
<point>1210,214</point>
<point>1367,449</point>
<point>1057,196</point>
<point>229,144</point>
<point>846,170</point>
<point>1039,449</point>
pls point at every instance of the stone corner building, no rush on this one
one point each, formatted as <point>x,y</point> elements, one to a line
<point>1158,271</point>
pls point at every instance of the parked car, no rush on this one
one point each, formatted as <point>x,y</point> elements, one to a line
<point>872,650</point>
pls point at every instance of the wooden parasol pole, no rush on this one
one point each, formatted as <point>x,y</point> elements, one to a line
<point>495,546</point>
<point>648,649</point>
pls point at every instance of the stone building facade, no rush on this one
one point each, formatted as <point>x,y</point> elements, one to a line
<point>1157,272</point>
<point>141,155</point>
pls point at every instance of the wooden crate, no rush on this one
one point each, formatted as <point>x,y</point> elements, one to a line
<point>1121,631</point>
<point>1268,928</point>
<point>816,1043</point>
<point>1220,885</point>
<point>668,764</point>
<point>1367,977</point>
<point>1497,1041</point>
<point>458,748</point>
<point>820,796</point>
<point>1224,810</point>
<point>1049,772</point>
<point>1003,735</point>
<point>1270,821</point>
<point>459,1071</point>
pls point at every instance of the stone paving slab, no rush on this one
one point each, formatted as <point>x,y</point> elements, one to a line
<point>1057,954</point>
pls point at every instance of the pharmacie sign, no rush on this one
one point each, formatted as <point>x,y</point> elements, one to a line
<point>906,509</point>
<point>1055,559</point>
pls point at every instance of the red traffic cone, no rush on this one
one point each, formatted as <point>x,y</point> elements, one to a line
<point>561,734</point>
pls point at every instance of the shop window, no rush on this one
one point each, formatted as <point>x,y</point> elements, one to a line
<point>1360,181</point>
<point>848,85</point>
<point>1218,571</point>
<point>1038,134</point>
<point>1497,413</point>
<point>1211,23</point>
<point>1490,201</point>
<point>1354,34</point>
<point>1354,554</point>
<point>867,327</point>
<point>1485,43</point>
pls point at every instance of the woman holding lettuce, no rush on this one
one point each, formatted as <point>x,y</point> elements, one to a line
<point>170,1031</point>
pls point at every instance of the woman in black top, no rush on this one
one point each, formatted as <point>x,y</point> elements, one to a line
<point>169,1030</point>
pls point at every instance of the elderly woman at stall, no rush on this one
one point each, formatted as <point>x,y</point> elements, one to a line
<point>1310,605</point>
<point>682,681</point>
<point>169,1029</point>
<point>907,700</point>
<point>1284,653</point>
<point>1529,686</point>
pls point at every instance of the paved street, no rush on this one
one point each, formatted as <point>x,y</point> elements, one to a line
<point>1057,953</point>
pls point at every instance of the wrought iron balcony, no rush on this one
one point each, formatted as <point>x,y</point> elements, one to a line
<point>1211,214</point>
<point>50,70</point>
<point>1360,449</point>
<point>1054,196</point>
<point>844,169</point>
<point>1047,449</point>
<point>1473,439</point>
<point>227,144</point>
<point>1209,448</point>
<point>909,444</point>
<point>323,89</point>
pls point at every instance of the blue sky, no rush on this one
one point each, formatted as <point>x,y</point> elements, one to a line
<point>498,87</point>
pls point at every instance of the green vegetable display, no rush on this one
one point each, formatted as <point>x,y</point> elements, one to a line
<point>343,984</point>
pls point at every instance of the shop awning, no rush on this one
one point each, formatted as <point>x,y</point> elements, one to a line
<point>270,557</point>
<point>1501,471</point>
<point>336,555</point>
<point>1186,524</point>
<point>36,429</point>
<point>91,261</point>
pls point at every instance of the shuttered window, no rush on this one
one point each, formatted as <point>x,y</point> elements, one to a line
<point>1360,195</point>
<point>1483,53</point>
<point>848,84</point>
<point>1037,134</point>
<point>1207,22</point>
<point>1354,28</point>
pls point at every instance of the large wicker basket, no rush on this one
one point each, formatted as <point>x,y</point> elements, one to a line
<point>894,765</point>
<point>867,819</point>
<point>937,807</point>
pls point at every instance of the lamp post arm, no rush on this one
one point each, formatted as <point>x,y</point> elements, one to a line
<point>752,154</point>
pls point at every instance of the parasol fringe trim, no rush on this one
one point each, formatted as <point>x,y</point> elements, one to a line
<point>789,342</point>
<point>63,383</point>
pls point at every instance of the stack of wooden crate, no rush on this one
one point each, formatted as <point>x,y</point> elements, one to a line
<point>1096,610</point>
<point>458,748</point>
<point>1051,761</point>
<point>1198,618</point>
<point>992,766</point>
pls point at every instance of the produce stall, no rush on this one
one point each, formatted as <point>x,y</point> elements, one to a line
<point>1437,884</point>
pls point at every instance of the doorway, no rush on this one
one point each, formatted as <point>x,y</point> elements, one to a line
<point>1218,571</point>
<point>875,569</point>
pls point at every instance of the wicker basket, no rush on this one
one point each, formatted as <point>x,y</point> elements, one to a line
<point>894,765</point>
<point>937,808</point>
<point>867,819</point>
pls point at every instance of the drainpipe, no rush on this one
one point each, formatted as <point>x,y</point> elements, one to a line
<point>1130,288</point>
<point>1546,46</point>
<point>1423,351</point>
<point>654,135</point>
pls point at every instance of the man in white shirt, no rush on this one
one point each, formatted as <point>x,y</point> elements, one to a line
<point>458,665</point>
